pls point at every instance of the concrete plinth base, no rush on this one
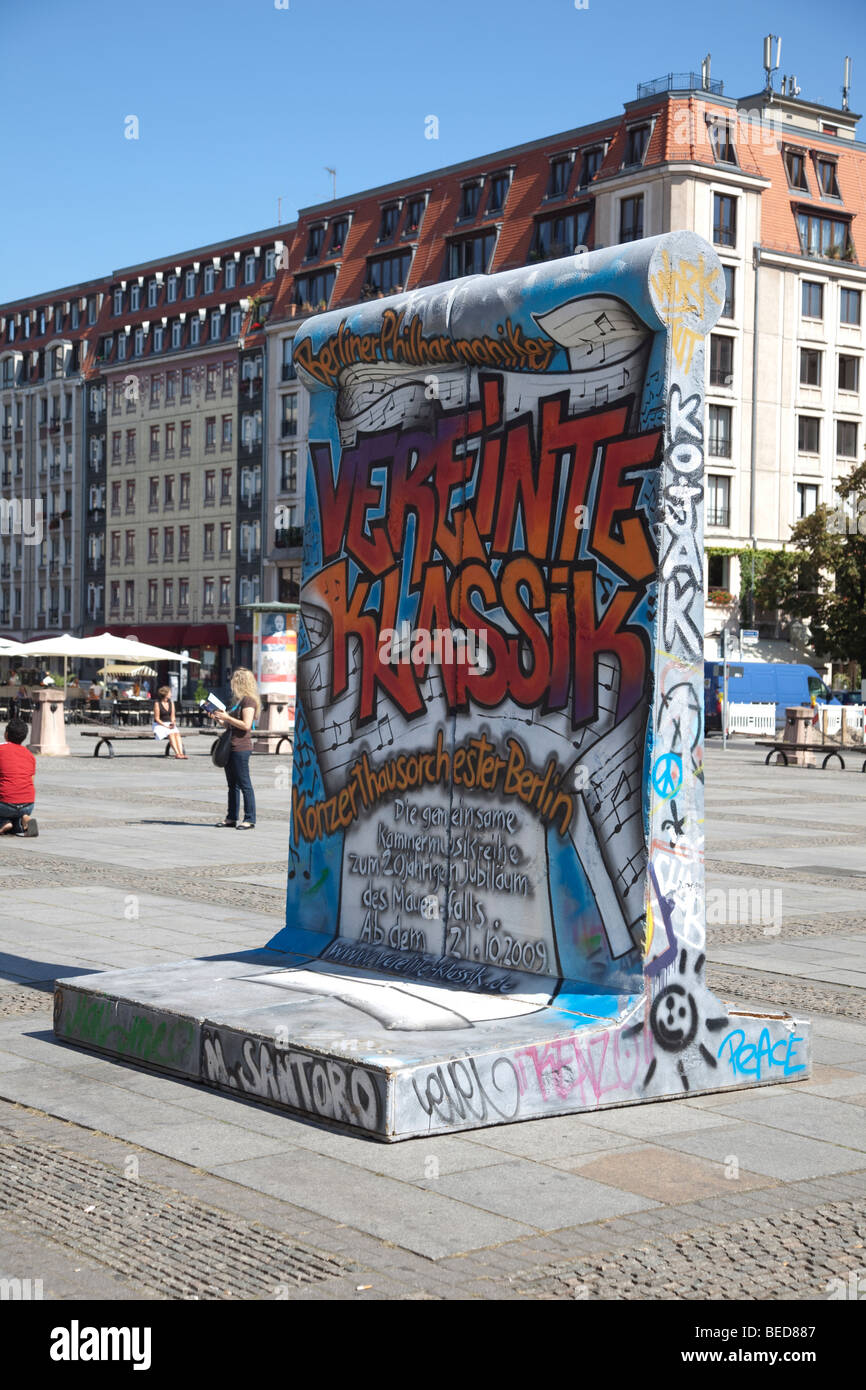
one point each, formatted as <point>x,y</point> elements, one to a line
<point>48,731</point>
<point>400,1055</point>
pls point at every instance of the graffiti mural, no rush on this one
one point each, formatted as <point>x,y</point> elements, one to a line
<point>496,902</point>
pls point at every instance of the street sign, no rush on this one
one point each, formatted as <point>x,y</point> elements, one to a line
<point>748,636</point>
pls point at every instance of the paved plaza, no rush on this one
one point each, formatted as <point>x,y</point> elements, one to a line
<point>118,1183</point>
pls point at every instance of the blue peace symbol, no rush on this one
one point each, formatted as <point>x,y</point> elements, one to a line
<point>667,774</point>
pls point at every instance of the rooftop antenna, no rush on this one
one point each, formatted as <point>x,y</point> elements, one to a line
<point>846,84</point>
<point>705,73</point>
<point>333,174</point>
<point>769,66</point>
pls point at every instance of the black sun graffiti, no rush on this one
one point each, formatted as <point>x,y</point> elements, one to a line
<point>675,1018</point>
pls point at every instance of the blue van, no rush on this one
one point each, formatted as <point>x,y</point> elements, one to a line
<point>762,682</point>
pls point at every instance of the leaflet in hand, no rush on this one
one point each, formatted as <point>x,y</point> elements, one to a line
<point>213,702</point>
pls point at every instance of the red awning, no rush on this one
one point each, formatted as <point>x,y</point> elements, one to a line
<point>207,635</point>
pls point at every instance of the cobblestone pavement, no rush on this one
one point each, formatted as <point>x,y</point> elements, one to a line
<point>116,1183</point>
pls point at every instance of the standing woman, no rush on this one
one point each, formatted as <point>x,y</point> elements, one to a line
<point>240,719</point>
<point>163,720</point>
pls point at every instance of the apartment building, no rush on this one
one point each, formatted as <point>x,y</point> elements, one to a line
<point>774,182</point>
<point>172,549</point>
<point>175,348</point>
<point>43,342</point>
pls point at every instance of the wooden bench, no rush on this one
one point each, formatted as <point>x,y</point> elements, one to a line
<point>778,748</point>
<point>257,752</point>
<point>110,736</point>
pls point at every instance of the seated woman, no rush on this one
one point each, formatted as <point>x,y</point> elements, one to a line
<point>163,720</point>
<point>17,792</point>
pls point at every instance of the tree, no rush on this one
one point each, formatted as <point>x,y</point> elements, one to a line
<point>823,577</point>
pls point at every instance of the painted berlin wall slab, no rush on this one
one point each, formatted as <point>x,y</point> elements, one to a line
<point>496,888</point>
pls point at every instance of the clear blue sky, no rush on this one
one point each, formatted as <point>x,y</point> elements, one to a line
<point>239,102</point>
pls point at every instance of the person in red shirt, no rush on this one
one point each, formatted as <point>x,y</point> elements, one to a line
<point>17,792</point>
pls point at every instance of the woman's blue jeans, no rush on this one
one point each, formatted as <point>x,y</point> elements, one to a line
<point>238,778</point>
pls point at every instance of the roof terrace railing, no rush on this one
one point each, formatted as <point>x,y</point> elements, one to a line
<point>679,82</point>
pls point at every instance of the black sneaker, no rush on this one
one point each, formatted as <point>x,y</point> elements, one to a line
<point>226,825</point>
<point>246,825</point>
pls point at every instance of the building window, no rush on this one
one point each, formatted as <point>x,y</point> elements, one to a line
<point>210,433</point>
<point>724,219</point>
<point>499,186</point>
<point>270,262</point>
<point>636,141</point>
<point>314,291</point>
<point>152,294</point>
<point>827,180</point>
<point>387,274</point>
<point>388,224</point>
<point>249,268</point>
<point>210,486</point>
<point>208,280</point>
<point>152,594</point>
<point>822,236</point>
<point>470,198</point>
<point>849,373</point>
<point>807,499</point>
<point>230,274</point>
<point>183,593</point>
<point>591,162</point>
<point>722,141</point>
<point>721,360</point>
<point>134,299</point>
<point>808,434</point>
<point>115,446</point>
<point>185,434</point>
<point>810,367</point>
<point>130,445</point>
<point>225,591</point>
<point>251,428</point>
<point>471,255</point>
<point>849,306</point>
<point>560,234</point>
<point>129,595</point>
<point>207,594</point>
<point>795,167</point>
<point>194,330</point>
<point>158,338</point>
<point>225,538</point>
<point>288,368</point>
<point>289,470</point>
<point>339,232</point>
<point>168,594</point>
<point>183,498</point>
<point>226,485</point>
<point>169,440</point>
<point>234,321</point>
<point>216,326</point>
<point>154,441</point>
<point>176,333</point>
<point>846,439</point>
<point>171,289</point>
<point>315,237</point>
<point>720,431</point>
<point>129,551</point>
<point>631,218</point>
<point>138,342</point>
<point>227,432</point>
<point>153,544</point>
<point>718,573</point>
<point>730,302</point>
<point>115,593</point>
<point>168,543</point>
<point>207,538</point>
<point>130,494</point>
<point>115,498</point>
<point>560,173</point>
<point>251,484</point>
<point>153,494</point>
<point>812,300</point>
<point>121,347</point>
<point>189,284</point>
<point>718,500</point>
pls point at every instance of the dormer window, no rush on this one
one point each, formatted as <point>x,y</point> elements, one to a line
<point>722,141</point>
<point>270,262</point>
<point>134,298</point>
<point>470,198</point>
<point>209,278</point>
<point>117,304</point>
<point>636,141</point>
<point>390,218</point>
<point>795,167</point>
<point>189,284</point>
<point>249,268</point>
<point>339,232</point>
<point>315,239</point>
<point>560,173</point>
<point>230,275</point>
<point>152,294</point>
<point>499,186</point>
<point>827,180</point>
<point>590,164</point>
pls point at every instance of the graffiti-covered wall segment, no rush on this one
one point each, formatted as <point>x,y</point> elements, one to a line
<point>496,879</point>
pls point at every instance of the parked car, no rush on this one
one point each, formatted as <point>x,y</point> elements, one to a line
<point>762,682</point>
<point>847,697</point>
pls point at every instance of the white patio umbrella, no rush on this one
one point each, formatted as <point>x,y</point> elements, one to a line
<point>9,647</point>
<point>130,649</point>
<point>65,646</point>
